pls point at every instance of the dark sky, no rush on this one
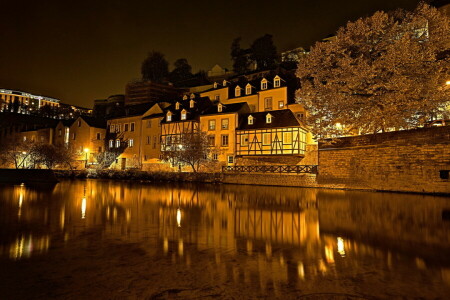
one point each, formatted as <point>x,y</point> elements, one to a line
<point>79,51</point>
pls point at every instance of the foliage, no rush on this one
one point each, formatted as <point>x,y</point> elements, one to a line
<point>240,58</point>
<point>14,154</point>
<point>379,73</point>
<point>264,52</point>
<point>155,67</point>
<point>189,148</point>
<point>181,72</point>
<point>107,158</point>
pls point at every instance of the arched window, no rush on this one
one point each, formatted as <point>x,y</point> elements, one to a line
<point>250,120</point>
<point>183,114</point>
<point>277,81</point>
<point>264,84</point>
<point>237,91</point>
<point>215,85</point>
<point>169,117</point>
<point>191,103</point>
<point>185,97</point>
<point>268,118</point>
<point>177,106</point>
<point>248,89</point>
<point>224,83</point>
<point>219,107</point>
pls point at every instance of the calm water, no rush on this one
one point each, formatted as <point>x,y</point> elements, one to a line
<point>120,240</point>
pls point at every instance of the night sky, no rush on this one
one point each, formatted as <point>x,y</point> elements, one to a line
<point>79,51</point>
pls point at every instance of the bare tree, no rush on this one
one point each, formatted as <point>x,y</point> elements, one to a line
<point>16,154</point>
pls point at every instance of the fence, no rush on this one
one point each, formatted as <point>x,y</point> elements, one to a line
<point>295,169</point>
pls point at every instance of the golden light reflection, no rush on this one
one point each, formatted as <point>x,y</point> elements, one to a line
<point>166,245</point>
<point>180,247</point>
<point>62,217</point>
<point>83,208</point>
<point>23,247</point>
<point>340,246</point>
<point>301,270</point>
<point>329,254</point>
<point>179,217</point>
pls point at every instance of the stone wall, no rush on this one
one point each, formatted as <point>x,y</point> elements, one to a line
<point>302,180</point>
<point>410,161</point>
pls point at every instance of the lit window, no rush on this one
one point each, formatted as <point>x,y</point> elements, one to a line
<point>74,135</point>
<point>250,120</point>
<point>185,97</point>
<point>266,138</point>
<point>111,143</point>
<point>224,123</point>
<point>268,118</point>
<point>237,91</point>
<point>217,97</point>
<point>268,103</point>
<point>191,103</point>
<point>24,138</point>
<point>177,106</point>
<point>230,159</point>
<point>224,83</point>
<point>264,84</point>
<point>183,115</point>
<point>287,138</point>
<point>224,140</point>
<point>248,89</point>
<point>131,143</point>
<point>276,81</point>
<point>244,140</point>
<point>280,104</point>
<point>132,126</point>
<point>215,156</point>
<point>118,128</point>
<point>215,85</point>
<point>219,107</point>
<point>211,140</point>
<point>169,116</point>
<point>212,125</point>
<point>117,143</point>
<point>192,96</point>
<point>111,128</point>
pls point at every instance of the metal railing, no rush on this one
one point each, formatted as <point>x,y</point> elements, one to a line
<point>295,169</point>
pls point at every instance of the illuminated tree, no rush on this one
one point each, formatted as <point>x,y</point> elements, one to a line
<point>188,148</point>
<point>155,67</point>
<point>379,73</point>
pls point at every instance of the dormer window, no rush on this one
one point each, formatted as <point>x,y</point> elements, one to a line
<point>237,91</point>
<point>169,117</point>
<point>277,81</point>
<point>268,118</point>
<point>248,89</point>
<point>250,120</point>
<point>192,96</point>
<point>219,107</point>
<point>224,83</point>
<point>191,103</point>
<point>264,84</point>
<point>185,97</point>
<point>183,114</point>
<point>215,85</point>
<point>177,106</point>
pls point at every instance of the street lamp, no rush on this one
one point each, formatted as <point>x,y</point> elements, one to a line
<point>86,150</point>
<point>447,82</point>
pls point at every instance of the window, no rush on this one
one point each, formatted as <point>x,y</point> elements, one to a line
<point>191,103</point>
<point>24,138</point>
<point>177,106</point>
<point>224,83</point>
<point>266,139</point>
<point>215,85</point>
<point>59,132</point>
<point>264,84</point>
<point>99,136</point>
<point>217,97</point>
<point>131,143</point>
<point>268,118</point>
<point>111,128</point>
<point>250,120</point>
<point>169,116</point>
<point>219,107</point>
<point>212,125</point>
<point>248,89</point>
<point>276,81</point>
<point>74,136</point>
<point>244,140</point>
<point>111,143</point>
<point>149,124</point>
<point>230,159</point>
<point>192,96</point>
<point>287,138</point>
<point>280,104</point>
<point>211,140</point>
<point>149,139</point>
<point>224,123</point>
<point>185,97</point>
<point>224,140</point>
<point>268,103</point>
<point>237,91</point>
<point>132,126</point>
<point>183,115</point>
<point>117,143</point>
<point>215,156</point>
<point>118,128</point>
<point>125,127</point>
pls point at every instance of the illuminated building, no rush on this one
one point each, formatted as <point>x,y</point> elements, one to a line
<point>87,136</point>
<point>22,102</point>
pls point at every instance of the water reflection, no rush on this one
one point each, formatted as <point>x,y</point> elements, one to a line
<point>262,236</point>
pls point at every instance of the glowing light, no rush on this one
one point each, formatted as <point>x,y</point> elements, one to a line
<point>86,150</point>
<point>180,247</point>
<point>301,270</point>
<point>447,82</point>
<point>166,245</point>
<point>340,246</point>
<point>329,254</point>
<point>179,217</point>
<point>83,208</point>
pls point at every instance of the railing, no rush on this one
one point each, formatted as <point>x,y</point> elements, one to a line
<point>296,169</point>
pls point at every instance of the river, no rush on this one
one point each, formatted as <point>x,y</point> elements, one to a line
<point>95,239</point>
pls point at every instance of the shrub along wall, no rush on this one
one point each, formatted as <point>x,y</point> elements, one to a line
<point>410,161</point>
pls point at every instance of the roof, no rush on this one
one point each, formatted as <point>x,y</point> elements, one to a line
<point>280,118</point>
<point>68,123</point>
<point>200,106</point>
<point>94,122</point>
<point>153,116</point>
<point>226,108</point>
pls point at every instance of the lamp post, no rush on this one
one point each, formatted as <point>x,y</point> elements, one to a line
<point>86,150</point>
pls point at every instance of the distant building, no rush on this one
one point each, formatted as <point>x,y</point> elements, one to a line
<point>219,73</point>
<point>149,92</point>
<point>293,55</point>
<point>23,102</point>
<point>110,107</point>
